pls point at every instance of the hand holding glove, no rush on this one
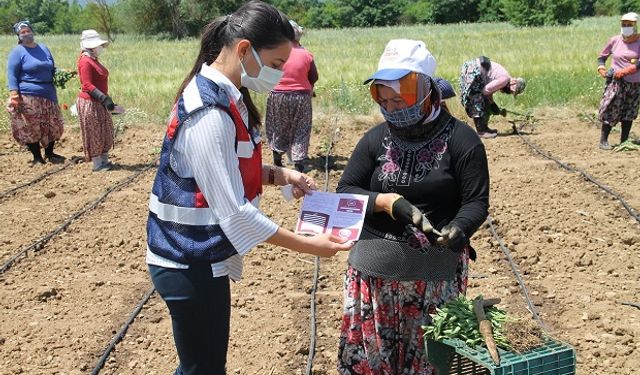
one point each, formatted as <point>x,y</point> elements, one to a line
<point>453,237</point>
<point>404,212</point>
<point>631,69</point>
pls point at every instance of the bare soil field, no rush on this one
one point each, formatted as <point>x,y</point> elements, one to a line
<point>576,248</point>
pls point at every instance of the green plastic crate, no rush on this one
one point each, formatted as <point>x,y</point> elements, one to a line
<point>453,356</point>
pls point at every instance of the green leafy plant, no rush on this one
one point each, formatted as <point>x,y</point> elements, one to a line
<point>61,77</point>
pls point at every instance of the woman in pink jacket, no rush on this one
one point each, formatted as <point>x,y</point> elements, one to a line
<point>288,119</point>
<point>622,92</point>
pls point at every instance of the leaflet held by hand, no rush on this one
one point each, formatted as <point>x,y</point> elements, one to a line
<point>337,213</point>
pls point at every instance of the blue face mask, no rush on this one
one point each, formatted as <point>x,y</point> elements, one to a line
<point>406,117</point>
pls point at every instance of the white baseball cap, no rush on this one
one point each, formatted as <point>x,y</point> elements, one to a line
<point>401,57</point>
<point>631,16</point>
<point>91,39</point>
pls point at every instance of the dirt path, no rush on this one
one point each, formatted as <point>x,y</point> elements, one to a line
<point>575,247</point>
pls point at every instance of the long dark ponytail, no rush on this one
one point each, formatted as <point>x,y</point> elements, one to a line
<point>260,23</point>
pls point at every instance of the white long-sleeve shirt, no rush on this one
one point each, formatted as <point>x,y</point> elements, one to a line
<point>205,150</point>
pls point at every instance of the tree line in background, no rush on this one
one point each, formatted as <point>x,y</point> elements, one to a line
<point>182,18</point>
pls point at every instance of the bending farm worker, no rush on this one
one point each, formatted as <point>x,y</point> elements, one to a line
<point>480,78</point>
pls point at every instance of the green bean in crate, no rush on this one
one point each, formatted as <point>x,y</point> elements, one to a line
<point>455,345</point>
<point>456,320</point>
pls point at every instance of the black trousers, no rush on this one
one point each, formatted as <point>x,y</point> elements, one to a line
<point>200,308</point>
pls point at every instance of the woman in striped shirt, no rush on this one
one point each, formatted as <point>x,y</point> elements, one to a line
<point>203,215</point>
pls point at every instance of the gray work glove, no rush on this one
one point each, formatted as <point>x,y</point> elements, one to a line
<point>453,237</point>
<point>103,98</point>
<point>404,212</point>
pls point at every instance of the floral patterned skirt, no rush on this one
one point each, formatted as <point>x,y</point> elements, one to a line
<point>39,121</point>
<point>382,321</point>
<point>620,102</point>
<point>288,123</point>
<point>471,85</point>
<point>96,126</point>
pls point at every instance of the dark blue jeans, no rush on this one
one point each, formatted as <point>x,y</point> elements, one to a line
<point>200,308</point>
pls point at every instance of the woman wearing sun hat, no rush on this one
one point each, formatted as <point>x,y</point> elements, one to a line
<point>33,103</point>
<point>622,92</point>
<point>480,78</point>
<point>425,172</point>
<point>94,103</point>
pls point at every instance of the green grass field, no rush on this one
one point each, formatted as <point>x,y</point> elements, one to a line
<point>558,62</point>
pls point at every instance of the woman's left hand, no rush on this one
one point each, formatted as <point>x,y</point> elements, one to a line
<point>302,183</point>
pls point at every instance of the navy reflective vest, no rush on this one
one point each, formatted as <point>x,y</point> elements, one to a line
<point>181,226</point>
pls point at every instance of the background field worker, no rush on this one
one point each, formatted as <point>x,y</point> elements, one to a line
<point>36,120</point>
<point>94,103</point>
<point>480,78</point>
<point>203,211</point>
<point>289,116</point>
<point>621,95</point>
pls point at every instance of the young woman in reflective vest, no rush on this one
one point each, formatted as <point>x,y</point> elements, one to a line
<point>203,211</point>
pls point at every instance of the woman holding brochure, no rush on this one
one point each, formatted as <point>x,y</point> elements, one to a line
<point>203,215</point>
<point>426,176</point>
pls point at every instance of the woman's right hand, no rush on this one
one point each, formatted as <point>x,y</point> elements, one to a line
<point>15,103</point>
<point>602,71</point>
<point>326,245</point>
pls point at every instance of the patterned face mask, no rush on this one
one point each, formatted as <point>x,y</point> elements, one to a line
<point>405,117</point>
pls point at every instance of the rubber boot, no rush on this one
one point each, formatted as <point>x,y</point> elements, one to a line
<point>624,132</point>
<point>105,160</point>
<point>37,154</point>
<point>98,166</point>
<point>604,137</point>
<point>483,129</point>
<point>277,159</point>
<point>53,157</point>
<point>299,166</point>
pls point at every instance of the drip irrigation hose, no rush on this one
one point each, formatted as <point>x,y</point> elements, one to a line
<point>14,189</point>
<point>585,175</point>
<point>514,268</point>
<point>120,335</point>
<point>39,244</point>
<point>632,304</point>
<point>316,272</point>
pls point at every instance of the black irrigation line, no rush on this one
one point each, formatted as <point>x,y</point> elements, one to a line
<point>632,304</point>
<point>39,244</point>
<point>514,268</point>
<point>123,331</point>
<point>316,272</point>
<point>14,189</point>
<point>633,212</point>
